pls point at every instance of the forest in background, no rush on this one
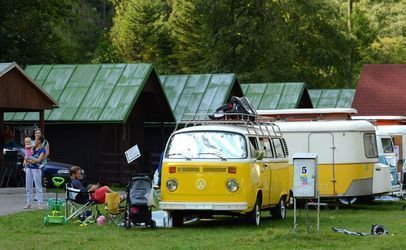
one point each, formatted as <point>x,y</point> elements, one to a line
<point>322,42</point>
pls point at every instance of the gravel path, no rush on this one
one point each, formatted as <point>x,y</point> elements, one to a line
<point>13,200</point>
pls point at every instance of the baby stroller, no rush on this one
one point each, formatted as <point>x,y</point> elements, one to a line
<point>138,211</point>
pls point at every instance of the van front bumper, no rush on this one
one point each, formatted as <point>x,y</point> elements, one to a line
<point>229,206</point>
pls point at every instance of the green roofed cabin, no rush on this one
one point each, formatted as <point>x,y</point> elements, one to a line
<point>199,93</point>
<point>271,96</point>
<point>104,109</point>
<point>332,98</point>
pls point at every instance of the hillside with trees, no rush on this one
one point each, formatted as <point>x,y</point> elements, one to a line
<point>322,42</point>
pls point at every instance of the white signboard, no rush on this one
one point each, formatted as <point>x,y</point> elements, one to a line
<point>305,175</point>
<point>132,154</point>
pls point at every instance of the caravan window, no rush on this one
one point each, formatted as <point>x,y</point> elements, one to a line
<point>265,145</point>
<point>387,145</point>
<point>370,145</point>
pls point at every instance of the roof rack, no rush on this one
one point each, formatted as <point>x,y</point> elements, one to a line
<point>254,124</point>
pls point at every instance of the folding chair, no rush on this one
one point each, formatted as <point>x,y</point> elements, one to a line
<point>114,212</point>
<point>78,202</point>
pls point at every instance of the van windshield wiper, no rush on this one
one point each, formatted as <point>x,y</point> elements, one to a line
<point>187,158</point>
<point>211,153</point>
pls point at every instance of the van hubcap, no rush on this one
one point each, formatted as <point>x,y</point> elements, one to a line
<point>283,209</point>
<point>257,214</point>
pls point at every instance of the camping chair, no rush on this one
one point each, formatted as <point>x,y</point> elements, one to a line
<point>78,202</point>
<point>114,212</point>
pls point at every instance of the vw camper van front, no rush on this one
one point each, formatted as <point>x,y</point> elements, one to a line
<point>213,169</point>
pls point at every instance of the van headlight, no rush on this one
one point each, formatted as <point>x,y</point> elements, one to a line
<point>232,185</point>
<point>172,185</point>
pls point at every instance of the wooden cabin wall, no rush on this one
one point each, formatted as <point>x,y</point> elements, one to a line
<point>75,144</point>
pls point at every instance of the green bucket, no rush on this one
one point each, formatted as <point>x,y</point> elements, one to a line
<point>55,204</point>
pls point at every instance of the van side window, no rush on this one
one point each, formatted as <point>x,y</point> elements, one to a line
<point>278,148</point>
<point>253,146</point>
<point>265,145</point>
<point>285,147</point>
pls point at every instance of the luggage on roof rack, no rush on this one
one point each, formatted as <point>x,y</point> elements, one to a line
<point>255,124</point>
<point>238,112</point>
<point>237,106</point>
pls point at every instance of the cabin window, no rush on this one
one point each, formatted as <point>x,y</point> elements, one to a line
<point>387,145</point>
<point>278,148</point>
<point>265,145</point>
<point>370,145</point>
<point>253,146</point>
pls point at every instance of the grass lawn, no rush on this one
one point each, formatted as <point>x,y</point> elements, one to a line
<point>26,231</point>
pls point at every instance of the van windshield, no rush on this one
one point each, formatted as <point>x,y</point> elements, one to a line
<point>207,145</point>
<point>387,145</point>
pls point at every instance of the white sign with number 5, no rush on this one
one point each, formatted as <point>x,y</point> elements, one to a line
<point>305,175</point>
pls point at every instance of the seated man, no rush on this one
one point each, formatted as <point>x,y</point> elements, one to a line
<point>97,192</point>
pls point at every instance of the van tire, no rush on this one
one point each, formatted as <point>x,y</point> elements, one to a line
<point>254,217</point>
<point>279,212</point>
<point>177,219</point>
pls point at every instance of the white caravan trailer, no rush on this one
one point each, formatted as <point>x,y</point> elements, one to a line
<point>394,154</point>
<point>347,156</point>
<point>391,127</point>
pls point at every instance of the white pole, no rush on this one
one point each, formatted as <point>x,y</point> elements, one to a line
<point>294,214</point>
<point>318,211</point>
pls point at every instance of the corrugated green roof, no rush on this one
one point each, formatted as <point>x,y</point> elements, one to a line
<point>201,93</point>
<point>89,92</point>
<point>4,67</point>
<point>266,96</point>
<point>332,98</point>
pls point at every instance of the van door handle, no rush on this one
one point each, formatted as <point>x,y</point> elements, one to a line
<point>266,165</point>
<point>378,169</point>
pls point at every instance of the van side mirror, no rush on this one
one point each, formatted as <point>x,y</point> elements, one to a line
<point>259,155</point>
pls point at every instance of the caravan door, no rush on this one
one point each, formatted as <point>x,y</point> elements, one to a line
<point>323,144</point>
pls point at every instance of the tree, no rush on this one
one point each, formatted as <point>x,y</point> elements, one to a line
<point>52,31</point>
<point>140,33</point>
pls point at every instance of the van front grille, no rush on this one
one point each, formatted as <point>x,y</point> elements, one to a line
<point>214,170</point>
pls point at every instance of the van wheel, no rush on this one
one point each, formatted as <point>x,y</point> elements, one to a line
<point>177,219</point>
<point>254,217</point>
<point>279,212</point>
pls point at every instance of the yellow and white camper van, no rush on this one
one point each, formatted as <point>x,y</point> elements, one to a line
<point>347,156</point>
<point>225,167</point>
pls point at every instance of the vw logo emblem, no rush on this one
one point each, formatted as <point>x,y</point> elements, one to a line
<point>200,184</point>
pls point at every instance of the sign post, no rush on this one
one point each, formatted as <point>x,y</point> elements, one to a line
<point>305,183</point>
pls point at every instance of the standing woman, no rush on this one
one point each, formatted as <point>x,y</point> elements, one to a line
<point>45,144</point>
<point>33,173</point>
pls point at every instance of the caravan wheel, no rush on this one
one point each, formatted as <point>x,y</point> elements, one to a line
<point>348,201</point>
